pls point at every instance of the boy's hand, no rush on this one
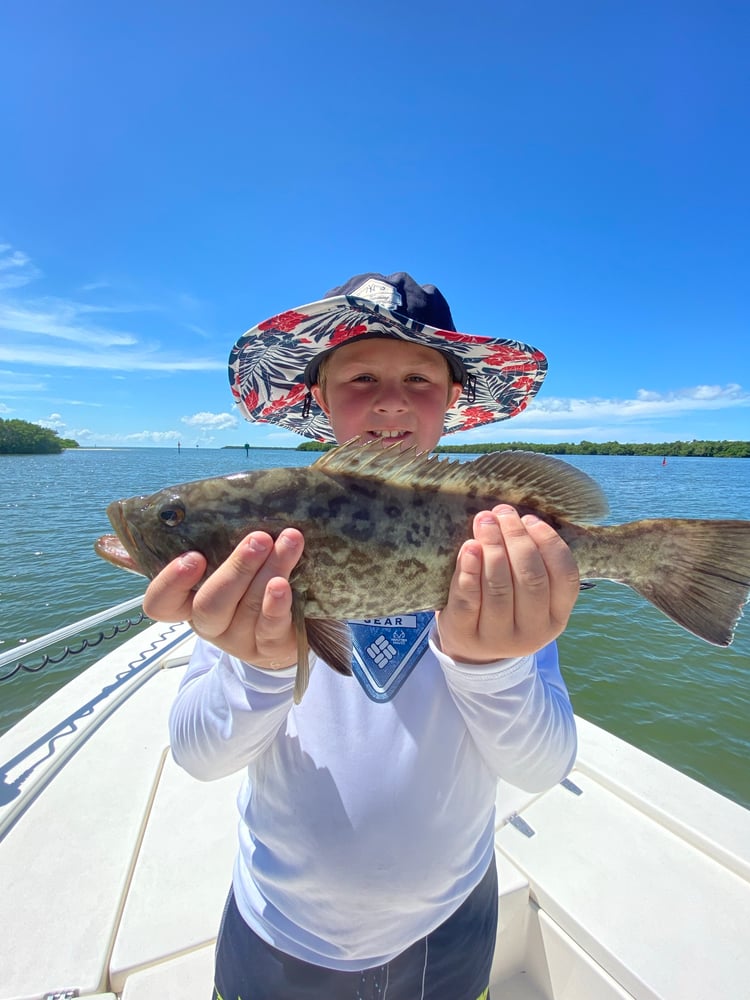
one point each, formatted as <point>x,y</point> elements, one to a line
<point>513,590</point>
<point>244,607</point>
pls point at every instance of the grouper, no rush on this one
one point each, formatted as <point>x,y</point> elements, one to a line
<point>383,528</point>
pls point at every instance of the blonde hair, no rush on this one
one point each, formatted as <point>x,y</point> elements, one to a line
<point>323,374</point>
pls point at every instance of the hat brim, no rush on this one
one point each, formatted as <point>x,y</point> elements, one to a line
<point>267,365</point>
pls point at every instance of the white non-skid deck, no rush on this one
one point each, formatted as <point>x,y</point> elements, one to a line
<point>641,871</point>
<point>114,864</point>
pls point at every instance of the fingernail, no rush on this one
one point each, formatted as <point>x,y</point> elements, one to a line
<point>291,538</point>
<point>258,545</point>
<point>189,560</point>
<point>531,519</point>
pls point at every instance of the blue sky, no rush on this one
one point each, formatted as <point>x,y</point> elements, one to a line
<point>574,175</point>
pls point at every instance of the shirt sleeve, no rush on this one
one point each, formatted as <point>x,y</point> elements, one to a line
<point>226,712</point>
<point>519,714</point>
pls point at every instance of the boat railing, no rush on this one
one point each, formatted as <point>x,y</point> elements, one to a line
<point>37,753</point>
<point>23,651</point>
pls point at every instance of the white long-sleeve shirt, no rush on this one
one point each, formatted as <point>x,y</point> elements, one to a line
<point>364,825</point>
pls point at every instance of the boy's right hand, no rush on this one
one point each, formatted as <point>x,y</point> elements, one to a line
<point>244,607</point>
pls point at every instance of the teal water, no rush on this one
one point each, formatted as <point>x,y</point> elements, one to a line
<point>628,668</point>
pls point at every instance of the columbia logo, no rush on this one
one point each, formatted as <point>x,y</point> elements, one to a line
<point>381,652</point>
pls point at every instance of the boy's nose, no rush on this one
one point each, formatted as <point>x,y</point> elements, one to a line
<point>391,399</point>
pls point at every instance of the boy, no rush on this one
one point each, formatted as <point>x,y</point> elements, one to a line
<point>366,857</point>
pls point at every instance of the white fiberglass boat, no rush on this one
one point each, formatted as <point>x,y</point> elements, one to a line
<point>627,880</point>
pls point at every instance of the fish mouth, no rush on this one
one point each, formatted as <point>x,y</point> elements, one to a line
<point>122,549</point>
<point>110,547</point>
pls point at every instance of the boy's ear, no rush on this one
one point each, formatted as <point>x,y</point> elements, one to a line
<point>453,393</point>
<point>317,395</point>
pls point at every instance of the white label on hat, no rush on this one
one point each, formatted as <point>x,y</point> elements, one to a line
<point>379,292</point>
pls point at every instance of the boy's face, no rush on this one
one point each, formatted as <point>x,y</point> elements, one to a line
<point>388,389</point>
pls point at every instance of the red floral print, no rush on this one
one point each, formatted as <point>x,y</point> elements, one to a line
<point>284,322</point>
<point>250,400</point>
<point>518,409</point>
<point>343,333</point>
<point>473,416</point>
<point>505,356</point>
<point>462,338</point>
<point>292,398</point>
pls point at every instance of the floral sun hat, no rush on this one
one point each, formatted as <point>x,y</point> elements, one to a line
<point>273,365</point>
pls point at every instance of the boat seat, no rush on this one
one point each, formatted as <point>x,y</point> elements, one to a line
<point>599,855</point>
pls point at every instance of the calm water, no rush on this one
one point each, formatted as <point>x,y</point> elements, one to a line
<point>628,668</point>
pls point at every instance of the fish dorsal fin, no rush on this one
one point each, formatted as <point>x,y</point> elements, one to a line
<point>522,478</point>
<point>544,484</point>
<point>390,464</point>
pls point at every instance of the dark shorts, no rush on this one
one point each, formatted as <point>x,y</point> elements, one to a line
<point>451,963</point>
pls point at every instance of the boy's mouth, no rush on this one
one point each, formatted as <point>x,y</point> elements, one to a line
<point>389,436</point>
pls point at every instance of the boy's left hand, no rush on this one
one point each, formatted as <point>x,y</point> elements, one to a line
<point>513,590</point>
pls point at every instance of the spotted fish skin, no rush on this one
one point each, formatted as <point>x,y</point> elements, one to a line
<point>383,527</point>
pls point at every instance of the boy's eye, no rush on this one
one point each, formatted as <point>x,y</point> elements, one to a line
<point>366,378</point>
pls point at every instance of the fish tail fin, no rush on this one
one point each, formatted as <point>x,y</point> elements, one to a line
<point>697,572</point>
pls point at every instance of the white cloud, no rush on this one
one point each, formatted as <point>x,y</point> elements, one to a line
<point>60,320</point>
<point>78,334</point>
<point>16,268</point>
<point>13,384</point>
<point>649,416</point>
<point>211,421</point>
<point>84,435</point>
<point>646,405</point>
<point>54,421</point>
<point>94,286</point>
<point>155,437</point>
<point>143,359</point>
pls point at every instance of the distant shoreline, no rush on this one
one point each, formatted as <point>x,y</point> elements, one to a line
<point>664,449</point>
<point>671,449</point>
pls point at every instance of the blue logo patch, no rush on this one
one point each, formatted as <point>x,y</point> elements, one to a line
<point>386,650</point>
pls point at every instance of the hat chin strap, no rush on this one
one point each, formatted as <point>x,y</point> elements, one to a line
<point>307,405</point>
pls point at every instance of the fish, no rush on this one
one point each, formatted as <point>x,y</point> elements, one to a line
<point>383,527</point>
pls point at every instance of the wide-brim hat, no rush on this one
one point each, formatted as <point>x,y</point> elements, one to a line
<point>273,365</point>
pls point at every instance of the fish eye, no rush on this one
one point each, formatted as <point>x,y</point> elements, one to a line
<point>172,515</point>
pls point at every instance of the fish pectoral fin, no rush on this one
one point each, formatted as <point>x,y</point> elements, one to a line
<point>331,640</point>
<point>302,678</point>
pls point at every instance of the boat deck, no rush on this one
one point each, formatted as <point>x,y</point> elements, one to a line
<point>628,880</point>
